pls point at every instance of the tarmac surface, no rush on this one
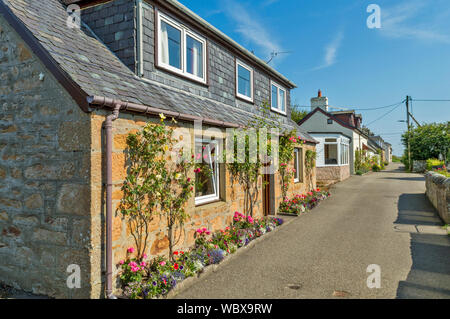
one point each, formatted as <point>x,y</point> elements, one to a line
<point>379,219</point>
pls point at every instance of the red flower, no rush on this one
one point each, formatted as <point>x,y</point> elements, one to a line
<point>175,252</point>
<point>175,266</point>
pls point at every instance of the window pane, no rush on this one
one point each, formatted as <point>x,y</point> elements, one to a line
<point>296,163</point>
<point>194,55</point>
<point>170,45</point>
<point>206,179</point>
<point>274,97</point>
<point>244,84</point>
<point>331,154</point>
<point>282,101</point>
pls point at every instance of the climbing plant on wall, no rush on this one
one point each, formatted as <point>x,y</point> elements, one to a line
<point>310,163</point>
<point>157,183</point>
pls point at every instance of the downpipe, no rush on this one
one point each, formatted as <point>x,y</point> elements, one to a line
<point>108,131</point>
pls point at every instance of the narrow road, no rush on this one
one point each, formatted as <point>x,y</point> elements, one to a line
<point>381,218</point>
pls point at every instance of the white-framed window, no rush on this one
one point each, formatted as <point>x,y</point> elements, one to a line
<point>298,165</point>
<point>344,154</point>
<point>207,181</point>
<point>180,50</point>
<point>277,98</point>
<point>244,81</point>
<point>331,151</point>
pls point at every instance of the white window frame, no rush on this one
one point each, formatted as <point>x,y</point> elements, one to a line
<point>216,196</point>
<point>279,88</point>
<point>338,152</point>
<point>184,33</point>
<point>297,165</point>
<point>245,66</point>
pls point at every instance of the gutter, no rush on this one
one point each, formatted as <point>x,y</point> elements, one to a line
<point>139,108</point>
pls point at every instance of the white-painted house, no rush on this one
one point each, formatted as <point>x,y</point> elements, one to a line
<point>334,130</point>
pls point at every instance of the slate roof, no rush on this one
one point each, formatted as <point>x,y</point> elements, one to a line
<point>98,72</point>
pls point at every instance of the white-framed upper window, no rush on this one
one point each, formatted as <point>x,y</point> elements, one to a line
<point>244,81</point>
<point>277,98</point>
<point>207,180</point>
<point>180,50</point>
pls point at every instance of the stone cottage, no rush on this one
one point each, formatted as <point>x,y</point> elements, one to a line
<point>72,90</point>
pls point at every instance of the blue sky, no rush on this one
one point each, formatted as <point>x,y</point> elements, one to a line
<point>331,48</point>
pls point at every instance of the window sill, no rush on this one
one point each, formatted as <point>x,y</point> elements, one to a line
<point>182,76</point>
<point>278,111</point>
<point>247,100</point>
<point>212,202</point>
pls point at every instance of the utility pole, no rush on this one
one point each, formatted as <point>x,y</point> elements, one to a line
<point>409,131</point>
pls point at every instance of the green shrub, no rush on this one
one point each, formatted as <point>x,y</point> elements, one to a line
<point>431,162</point>
<point>376,168</point>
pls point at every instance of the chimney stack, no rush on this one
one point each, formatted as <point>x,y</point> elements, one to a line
<point>319,101</point>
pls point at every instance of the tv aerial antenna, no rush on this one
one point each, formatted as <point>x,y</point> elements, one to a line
<point>274,54</point>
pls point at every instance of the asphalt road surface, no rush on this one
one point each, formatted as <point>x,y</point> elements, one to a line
<point>381,218</point>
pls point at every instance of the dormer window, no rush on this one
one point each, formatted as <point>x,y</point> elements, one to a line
<point>180,50</point>
<point>244,81</point>
<point>277,98</point>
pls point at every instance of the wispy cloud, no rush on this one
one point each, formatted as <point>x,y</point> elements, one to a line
<point>250,28</point>
<point>331,51</point>
<point>404,21</point>
<point>269,2</point>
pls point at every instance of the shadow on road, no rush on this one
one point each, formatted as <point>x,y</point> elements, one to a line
<point>429,276</point>
<point>412,178</point>
<point>415,209</point>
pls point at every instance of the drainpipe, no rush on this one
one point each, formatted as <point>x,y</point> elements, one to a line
<point>108,128</point>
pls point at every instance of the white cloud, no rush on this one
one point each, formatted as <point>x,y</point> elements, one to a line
<point>331,51</point>
<point>403,21</point>
<point>250,28</point>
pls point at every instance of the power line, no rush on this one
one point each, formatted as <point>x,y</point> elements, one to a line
<point>349,108</point>
<point>390,111</point>
<point>421,100</point>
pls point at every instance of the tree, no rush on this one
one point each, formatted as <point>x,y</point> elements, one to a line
<point>428,141</point>
<point>297,114</point>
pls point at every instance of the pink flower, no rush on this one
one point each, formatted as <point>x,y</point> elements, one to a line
<point>121,262</point>
<point>198,156</point>
<point>130,250</point>
<point>144,256</point>
<point>143,264</point>
<point>189,179</point>
<point>162,263</point>
<point>133,264</point>
<point>208,232</point>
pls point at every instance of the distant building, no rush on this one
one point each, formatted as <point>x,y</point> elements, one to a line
<point>339,134</point>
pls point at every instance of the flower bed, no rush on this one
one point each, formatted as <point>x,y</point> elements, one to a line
<point>301,203</point>
<point>143,279</point>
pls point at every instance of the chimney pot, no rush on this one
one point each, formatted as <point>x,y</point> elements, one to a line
<point>319,94</point>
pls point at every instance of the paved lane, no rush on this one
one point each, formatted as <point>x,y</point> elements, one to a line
<point>381,218</point>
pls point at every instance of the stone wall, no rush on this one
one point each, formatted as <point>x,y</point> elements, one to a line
<point>214,216</point>
<point>438,192</point>
<point>419,166</point>
<point>44,176</point>
<point>331,174</point>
